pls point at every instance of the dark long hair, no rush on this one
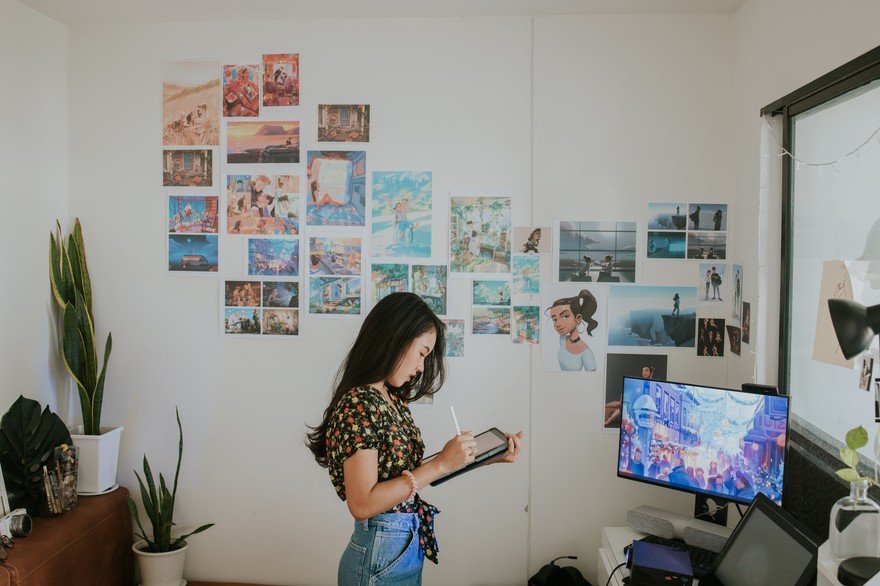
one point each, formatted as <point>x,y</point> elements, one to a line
<point>386,334</point>
<point>584,305</point>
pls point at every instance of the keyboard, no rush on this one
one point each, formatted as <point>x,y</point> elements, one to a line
<point>701,559</point>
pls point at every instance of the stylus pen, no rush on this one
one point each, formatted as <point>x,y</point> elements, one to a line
<point>455,420</point>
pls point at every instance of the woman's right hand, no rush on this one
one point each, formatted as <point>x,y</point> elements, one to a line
<point>458,452</point>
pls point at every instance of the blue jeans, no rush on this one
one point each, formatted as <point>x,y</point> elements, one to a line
<point>383,551</point>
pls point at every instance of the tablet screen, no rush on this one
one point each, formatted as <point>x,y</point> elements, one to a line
<point>489,441</point>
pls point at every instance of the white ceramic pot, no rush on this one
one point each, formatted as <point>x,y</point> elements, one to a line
<point>98,457</point>
<point>160,569</point>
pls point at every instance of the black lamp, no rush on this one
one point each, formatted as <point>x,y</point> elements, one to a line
<point>854,324</point>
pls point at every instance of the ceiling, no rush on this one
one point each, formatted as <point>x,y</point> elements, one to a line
<point>132,11</point>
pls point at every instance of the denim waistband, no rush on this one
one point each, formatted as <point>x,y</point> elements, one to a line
<point>406,521</point>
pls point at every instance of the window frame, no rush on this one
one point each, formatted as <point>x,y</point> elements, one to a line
<point>860,71</point>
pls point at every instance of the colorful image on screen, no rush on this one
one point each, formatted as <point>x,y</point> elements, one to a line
<point>720,442</point>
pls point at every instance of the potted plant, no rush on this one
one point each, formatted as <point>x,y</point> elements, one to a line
<point>161,558</point>
<point>72,291</point>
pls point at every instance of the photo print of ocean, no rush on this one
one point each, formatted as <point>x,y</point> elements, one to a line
<point>652,316</point>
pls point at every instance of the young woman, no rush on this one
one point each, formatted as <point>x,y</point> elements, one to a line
<point>373,449</point>
<point>571,317</point>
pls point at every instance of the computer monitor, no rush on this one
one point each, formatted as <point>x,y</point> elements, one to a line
<point>710,441</point>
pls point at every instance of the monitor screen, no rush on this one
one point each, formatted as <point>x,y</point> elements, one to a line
<point>706,440</point>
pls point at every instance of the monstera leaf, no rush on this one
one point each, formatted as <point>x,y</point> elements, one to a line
<point>27,440</point>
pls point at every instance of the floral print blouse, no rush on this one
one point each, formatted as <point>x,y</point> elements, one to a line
<point>363,420</point>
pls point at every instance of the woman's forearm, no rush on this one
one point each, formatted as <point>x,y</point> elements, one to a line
<point>389,493</point>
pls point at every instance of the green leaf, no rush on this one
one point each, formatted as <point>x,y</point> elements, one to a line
<point>28,438</point>
<point>86,283</point>
<point>849,457</point>
<point>857,438</point>
<point>132,506</point>
<point>55,272</point>
<point>149,504</point>
<point>98,395</point>
<point>849,475</point>
<point>181,541</point>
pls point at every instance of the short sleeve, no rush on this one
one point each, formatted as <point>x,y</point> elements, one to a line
<point>355,425</point>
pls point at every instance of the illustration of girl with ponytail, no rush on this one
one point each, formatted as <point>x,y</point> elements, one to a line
<point>572,318</point>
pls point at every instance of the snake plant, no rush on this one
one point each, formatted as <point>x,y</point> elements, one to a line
<point>72,291</point>
<point>159,506</point>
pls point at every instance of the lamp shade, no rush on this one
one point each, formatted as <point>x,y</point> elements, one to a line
<point>854,324</point>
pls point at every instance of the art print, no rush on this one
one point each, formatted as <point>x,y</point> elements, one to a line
<point>281,79</point>
<point>667,217</point>
<point>242,293</point>
<point>710,337</point>
<point>525,327</point>
<point>747,322</point>
<point>388,278</point>
<point>667,245</point>
<point>191,103</point>
<point>836,283</point>
<point>280,294</point>
<point>865,372</point>
<point>575,327</point>
<point>262,142</point>
<point>343,123</point>
<point>490,293</point>
<point>336,188</point>
<point>280,322</point>
<point>401,214</point>
<point>490,320</point>
<point>734,338</point>
<point>241,321</point>
<point>532,239</point>
<point>526,274</point>
<point>277,257</point>
<point>707,245</point>
<point>736,271</point>
<point>193,253</point>
<point>187,168</point>
<point>262,204</point>
<point>707,216</point>
<point>454,337</point>
<point>241,91</point>
<point>479,235</point>
<point>712,283</point>
<point>334,255</point>
<point>652,316</point>
<point>429,282</point>
<point>603,252</point>
<point>335,296</point>
<point>192,214</point>
<point>646,366</point>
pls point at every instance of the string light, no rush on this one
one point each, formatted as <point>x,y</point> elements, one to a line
<point>833,163</point>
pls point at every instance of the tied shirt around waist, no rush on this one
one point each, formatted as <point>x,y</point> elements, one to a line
<point>363,420</point>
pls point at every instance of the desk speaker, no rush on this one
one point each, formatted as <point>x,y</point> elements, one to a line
<point>669,525</point>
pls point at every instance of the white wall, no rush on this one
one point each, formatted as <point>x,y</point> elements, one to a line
<point>778,47</point>
<point>448,95</point>
<point>34,179</point>
<point>628,110</point>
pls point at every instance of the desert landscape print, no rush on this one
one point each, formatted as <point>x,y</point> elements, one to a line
<point>191,103</point>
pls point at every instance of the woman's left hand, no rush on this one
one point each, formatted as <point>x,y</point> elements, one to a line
<point>514,447</point>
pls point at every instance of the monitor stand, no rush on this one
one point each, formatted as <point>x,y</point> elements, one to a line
<point>711,508</point>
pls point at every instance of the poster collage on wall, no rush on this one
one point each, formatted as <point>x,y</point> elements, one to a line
<point>316,220</point>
